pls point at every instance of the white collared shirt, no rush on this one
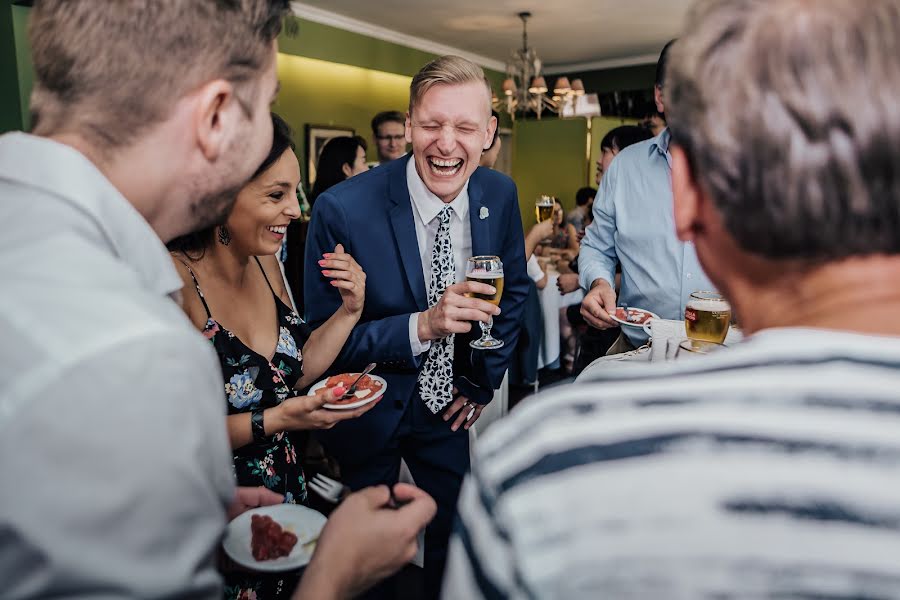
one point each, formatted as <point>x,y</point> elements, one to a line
<point>112,408</point>
<point>426,207</point>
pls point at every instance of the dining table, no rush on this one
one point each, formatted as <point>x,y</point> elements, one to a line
<point>665,337</point>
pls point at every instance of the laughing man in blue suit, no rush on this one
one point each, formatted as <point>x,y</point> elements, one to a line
<point>412,224</point>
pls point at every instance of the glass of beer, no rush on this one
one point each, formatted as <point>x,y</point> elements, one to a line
<point>543,208</point>
<point>489,270</point>
<point>707,317</point>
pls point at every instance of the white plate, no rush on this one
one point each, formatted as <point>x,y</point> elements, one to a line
<point>351,405</point>
<point>303,522</point>
<point>629,323</point>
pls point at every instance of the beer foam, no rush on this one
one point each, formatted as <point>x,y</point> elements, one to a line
<point>485,274</point>
<point>709,305</point>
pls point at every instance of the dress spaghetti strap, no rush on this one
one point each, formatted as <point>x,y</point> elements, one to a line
<point>266,277</point>
<point>199,291</point>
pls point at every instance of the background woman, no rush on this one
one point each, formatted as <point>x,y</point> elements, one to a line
<point>341,158</point>
<point>563,240</point>
<point>235,295</point>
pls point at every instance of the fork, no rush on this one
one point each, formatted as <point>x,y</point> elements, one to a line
<point>352,389</point>
<point>329,489</point>
<point>335,491</point>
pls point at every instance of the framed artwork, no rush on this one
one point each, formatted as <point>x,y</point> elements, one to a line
<point>316,137</point>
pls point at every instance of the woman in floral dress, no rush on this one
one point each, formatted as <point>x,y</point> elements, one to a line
<point>234,293</point>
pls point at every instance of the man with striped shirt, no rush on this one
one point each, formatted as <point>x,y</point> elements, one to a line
<point>771,469</point>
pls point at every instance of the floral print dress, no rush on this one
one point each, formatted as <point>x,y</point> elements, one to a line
<point>253,381</point>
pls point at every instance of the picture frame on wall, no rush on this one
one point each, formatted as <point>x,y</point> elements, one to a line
<point>316,137</point>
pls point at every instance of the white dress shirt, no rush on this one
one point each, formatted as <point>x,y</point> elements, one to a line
<point>114,456</point>
<point>426,207</point>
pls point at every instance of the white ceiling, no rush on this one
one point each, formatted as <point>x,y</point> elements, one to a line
<point>565,33</point>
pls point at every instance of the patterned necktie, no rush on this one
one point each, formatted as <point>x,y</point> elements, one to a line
<point>436,377</point>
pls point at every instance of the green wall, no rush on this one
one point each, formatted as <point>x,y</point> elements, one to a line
<point>549,157</point>
<point>334,77</point>
<point>23,62</point>
<point>317,92</point>
<point>15,67</point>
<point>556,157</point>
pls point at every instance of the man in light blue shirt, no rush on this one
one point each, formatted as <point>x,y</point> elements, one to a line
<point>634,226</point>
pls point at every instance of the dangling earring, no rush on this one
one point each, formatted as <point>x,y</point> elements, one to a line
<point>224,236</point>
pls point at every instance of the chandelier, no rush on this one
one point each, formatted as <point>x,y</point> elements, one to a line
<point>525,89</point>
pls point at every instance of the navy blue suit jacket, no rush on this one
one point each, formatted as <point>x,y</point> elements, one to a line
<point>372,216</point>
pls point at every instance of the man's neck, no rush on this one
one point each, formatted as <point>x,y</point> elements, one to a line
<point>136,175</point>
<point>857,294</point>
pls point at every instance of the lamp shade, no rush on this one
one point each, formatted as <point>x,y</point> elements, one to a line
<point>538,85</point>
<point>509,86</point>
<point>562,86</point>
<point>577,87</point>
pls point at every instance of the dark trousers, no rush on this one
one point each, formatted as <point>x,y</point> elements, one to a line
<point>438,460</point>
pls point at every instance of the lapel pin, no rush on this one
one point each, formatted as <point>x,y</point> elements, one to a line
<point>484,213</point>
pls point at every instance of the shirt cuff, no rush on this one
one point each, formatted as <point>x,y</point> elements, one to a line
<point>588,273</point>
<point>534,269</point>
<point>418,347</point>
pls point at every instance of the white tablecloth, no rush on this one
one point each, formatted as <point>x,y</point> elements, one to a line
<point>665,335</point>
<point>551,302</point>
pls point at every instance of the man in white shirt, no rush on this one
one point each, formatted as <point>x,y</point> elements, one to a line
<point>412,225</point>
<point>113,450</point>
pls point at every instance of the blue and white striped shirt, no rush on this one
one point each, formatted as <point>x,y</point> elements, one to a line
<point>771,470</point>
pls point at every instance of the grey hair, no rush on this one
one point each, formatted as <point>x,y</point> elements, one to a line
<point>787,111</point>
<point>447,70</point>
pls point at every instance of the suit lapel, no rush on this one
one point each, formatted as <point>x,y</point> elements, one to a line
<point>405,233</point>
<point>481,231</point>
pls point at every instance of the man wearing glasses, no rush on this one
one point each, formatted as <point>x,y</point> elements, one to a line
<point>389,131</point>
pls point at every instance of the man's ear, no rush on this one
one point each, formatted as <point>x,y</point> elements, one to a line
<point>658,99</point>
<point>493,124</point>
<point>348,172</point>
<point>408,131</point>
<point>215,117</point>
<point>686,194</point>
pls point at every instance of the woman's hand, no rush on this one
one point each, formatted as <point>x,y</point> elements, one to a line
<point>348,277</point>
<point>308,412</point>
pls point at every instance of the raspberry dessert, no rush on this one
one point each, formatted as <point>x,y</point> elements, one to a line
<point>268,540</point>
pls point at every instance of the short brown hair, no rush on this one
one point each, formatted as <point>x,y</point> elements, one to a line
<point>446,70</point>
<point>108,72</point>
<point>786,110</point>
<point>387,116</point>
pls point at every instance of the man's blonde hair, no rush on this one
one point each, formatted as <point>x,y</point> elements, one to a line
<point>446,70</point>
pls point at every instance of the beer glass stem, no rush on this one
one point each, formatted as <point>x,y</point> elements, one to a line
<point>486,328</point>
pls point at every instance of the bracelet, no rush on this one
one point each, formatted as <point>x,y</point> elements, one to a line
<point>257,426</point>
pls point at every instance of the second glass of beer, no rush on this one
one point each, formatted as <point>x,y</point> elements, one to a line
<point>489,270</point>
<point>707,317</point>
<point>543,208</point>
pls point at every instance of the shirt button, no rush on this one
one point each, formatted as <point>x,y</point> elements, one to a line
<point>689,276</point>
